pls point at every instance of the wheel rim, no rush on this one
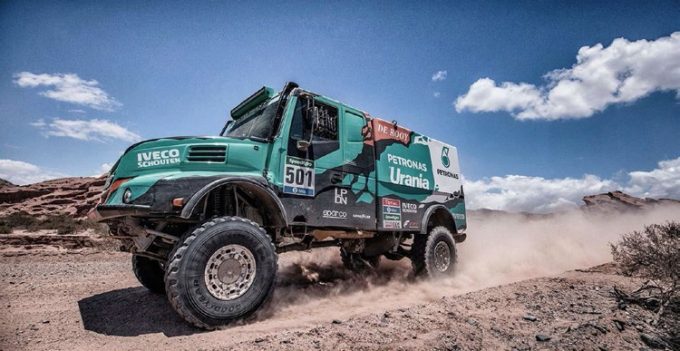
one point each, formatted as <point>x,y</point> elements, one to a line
<point>230,272</point>
<point>442,256</point>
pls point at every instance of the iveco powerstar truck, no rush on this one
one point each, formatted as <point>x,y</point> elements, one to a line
<point>205,217</point>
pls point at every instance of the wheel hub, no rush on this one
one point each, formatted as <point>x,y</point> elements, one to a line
<point>442,256</point>
<point>230,272</point>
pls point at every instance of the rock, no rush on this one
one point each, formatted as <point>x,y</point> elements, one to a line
<point>620,325</point>
<point>337,321</point>
<point>542,337</point>
<point>70,196</point>
<point>471,321</point>
<point>653,341</point>
<point>528,317</point>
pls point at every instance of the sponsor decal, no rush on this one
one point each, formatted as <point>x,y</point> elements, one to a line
<point>334,214</point>
<point>340,197</point>
<point>458,216</point>
<point>405,162</point>
<point>397,177</point>
<point>445,157</point>
<point>401,178</point>
<point>298,176</point>
<point>361,216</point>
<point>410,224</point>
<point>449,174</point>
<point>383,130</point>
<point>390,202</point>
<point>391,209</point>
<point>409,207</point>
<point>157,158</point>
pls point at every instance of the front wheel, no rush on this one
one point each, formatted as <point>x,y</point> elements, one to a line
<point>434,255</point>
<point>221,272</point>
<point>149,273</point>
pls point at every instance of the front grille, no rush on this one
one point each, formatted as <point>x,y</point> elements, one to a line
<point>207,153</point>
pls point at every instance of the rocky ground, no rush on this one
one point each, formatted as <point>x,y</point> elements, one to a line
<point>70,196</point>
<point>92,301</point>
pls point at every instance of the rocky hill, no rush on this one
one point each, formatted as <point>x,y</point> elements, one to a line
<point>4,183</point>
<point>620,201</point>
<point>71,196</point>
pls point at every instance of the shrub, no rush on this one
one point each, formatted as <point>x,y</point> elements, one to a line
<point>654,254</point>
<point>64,224</point>
<point>19,219</point>
<point>5,229</point>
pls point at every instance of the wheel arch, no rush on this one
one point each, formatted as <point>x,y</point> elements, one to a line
<point>272,205</point>
<point>438,215</point>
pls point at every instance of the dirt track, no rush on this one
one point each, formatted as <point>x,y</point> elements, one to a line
<point>80,302</point>
<point>91,301</point>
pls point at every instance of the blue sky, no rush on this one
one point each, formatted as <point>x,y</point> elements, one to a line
<point>177,68</point>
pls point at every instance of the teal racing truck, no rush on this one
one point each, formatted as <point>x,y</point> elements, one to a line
<point>205,217</point>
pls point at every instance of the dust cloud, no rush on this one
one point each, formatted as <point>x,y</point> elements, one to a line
<point>500,249</point>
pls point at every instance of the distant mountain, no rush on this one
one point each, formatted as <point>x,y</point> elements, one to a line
<point>620,201</point>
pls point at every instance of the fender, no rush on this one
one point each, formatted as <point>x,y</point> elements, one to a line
<point>428,213</point>
<point>257,185</point>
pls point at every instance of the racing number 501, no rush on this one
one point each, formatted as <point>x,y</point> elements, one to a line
<point>298,176</point>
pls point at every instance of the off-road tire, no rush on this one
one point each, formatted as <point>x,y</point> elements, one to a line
<point>359,263</point>
<point>149,273</point>
<point>185,273</point>
<point>423,258</point>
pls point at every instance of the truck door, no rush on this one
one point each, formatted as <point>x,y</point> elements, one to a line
<point>323,182</point>
<point>311,174</point>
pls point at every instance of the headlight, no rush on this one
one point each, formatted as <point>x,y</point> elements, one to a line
<point>127,196</point>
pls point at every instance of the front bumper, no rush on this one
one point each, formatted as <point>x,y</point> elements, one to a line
<point>104,212</point>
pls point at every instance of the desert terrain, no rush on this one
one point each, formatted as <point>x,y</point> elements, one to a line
<point>523,282</point>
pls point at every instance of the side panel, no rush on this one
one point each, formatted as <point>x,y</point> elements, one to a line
<point>414,172</point>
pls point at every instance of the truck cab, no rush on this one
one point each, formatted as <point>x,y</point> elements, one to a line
<point>291,170</point>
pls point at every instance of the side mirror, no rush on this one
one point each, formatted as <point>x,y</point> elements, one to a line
<point>303,145</point>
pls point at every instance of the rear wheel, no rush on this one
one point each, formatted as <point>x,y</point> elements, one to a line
<point>149,273</point>
<point>359,263</point>
<point>434,255</point>
<point>221,272</point>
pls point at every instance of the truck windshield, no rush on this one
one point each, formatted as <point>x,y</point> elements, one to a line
<point>257,123</point>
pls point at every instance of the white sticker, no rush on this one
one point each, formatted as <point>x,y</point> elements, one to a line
<point>298,176</point>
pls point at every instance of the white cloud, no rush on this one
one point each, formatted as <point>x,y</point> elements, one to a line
<point>69,88</point>
<point>623,72</point>
<point>532,194</point>
<point>663,181</point>
<point>439,76</point>
<point>436,94</point>
<point>95,129</point>
<point>19,172</point>
<point>103,169</point>
<point>518,193</point>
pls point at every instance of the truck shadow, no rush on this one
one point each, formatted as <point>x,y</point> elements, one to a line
<point>136,311</point>
<point>132,312</point>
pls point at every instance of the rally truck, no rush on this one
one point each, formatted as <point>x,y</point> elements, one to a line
<point>205,217</point>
